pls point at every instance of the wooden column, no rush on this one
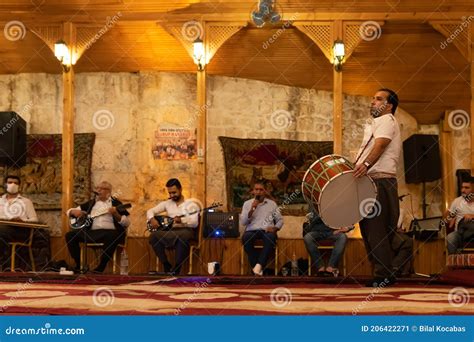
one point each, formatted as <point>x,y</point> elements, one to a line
<point>337,95</point>
<point>214,35</point>
<point>68,131</point>
<point>201,135</point>
<point>446,148</point>
<point>471,47</point>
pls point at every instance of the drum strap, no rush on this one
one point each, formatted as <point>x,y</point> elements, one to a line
<point>362,152</point>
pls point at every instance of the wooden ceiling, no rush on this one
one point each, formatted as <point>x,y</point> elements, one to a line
<point>407,57</point>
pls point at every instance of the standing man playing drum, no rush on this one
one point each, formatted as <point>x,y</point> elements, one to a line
<point>378,158</point>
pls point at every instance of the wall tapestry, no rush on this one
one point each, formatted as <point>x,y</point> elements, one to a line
<point>281,164</point>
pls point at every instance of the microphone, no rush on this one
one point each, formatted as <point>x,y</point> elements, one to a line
<point>400,198</point>
<point>95,193</point>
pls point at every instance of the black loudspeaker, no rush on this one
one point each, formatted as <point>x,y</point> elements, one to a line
<point>422,159</point>
<point>221,225</point>
<point>12,140</point>
<point>426,229</point>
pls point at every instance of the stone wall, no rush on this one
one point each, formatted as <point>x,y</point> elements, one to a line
<point>133,105</point>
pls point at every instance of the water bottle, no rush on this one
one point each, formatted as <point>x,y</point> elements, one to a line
<point>124,262</point>
<point>294,266</point>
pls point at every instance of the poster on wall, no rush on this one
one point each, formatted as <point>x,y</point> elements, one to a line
<point>174,143</point>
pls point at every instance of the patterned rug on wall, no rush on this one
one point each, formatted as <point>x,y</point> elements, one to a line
<point>41,176</point>
<point>281,164</point>
<point>202,297</point>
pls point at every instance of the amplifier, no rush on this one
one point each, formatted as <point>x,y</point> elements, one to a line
<point>426,229</point>
<point>221,225</point>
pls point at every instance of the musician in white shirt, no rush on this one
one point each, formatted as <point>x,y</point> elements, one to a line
<point>460,217</point>
<point>378,158</point>
<point>183,228</point>
<point>14,207</point>
<point>108,226</point>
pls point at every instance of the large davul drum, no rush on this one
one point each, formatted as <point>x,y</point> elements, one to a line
<point>339,198</point>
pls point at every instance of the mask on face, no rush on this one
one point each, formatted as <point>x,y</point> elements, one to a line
<point>12,188</point>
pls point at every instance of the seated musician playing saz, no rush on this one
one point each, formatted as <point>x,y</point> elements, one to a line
<point>183,228</point>
<point>108,226</point>
<point>16,208</point>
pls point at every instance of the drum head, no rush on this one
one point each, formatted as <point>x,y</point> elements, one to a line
<point>341,199</point>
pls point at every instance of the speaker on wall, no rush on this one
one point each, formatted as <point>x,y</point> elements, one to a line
<point>12,139</point>
<point>421,158</point>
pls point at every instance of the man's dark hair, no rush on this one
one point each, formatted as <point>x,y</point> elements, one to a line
<point>13,177</point>
<point>260,182</point>
<point>173,182</point>
<point>392,98</point>
<point>468,179</point>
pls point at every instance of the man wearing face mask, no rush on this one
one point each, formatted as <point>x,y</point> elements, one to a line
<point>262,220</point>
<point>378,158</point>
<point>183,228</point>
<point>108,227</point>
<point>14,207</point>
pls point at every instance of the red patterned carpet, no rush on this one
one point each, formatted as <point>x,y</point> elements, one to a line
<point>218,296</point>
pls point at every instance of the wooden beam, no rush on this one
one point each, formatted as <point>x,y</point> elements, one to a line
<point>337,33</point>
<point>78,40</point>
<point>455,32</point>
<point>202,136</point>
<point>446,150</point>
<point>68,132</point>
<point>471,47</point>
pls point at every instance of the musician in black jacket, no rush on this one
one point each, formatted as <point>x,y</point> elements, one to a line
<point>108,227</point>
<point>183,228</point>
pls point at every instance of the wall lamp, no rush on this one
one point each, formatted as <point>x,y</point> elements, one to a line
<point>338,53</point>
<point>63,54</point>
<point>198,53</point>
